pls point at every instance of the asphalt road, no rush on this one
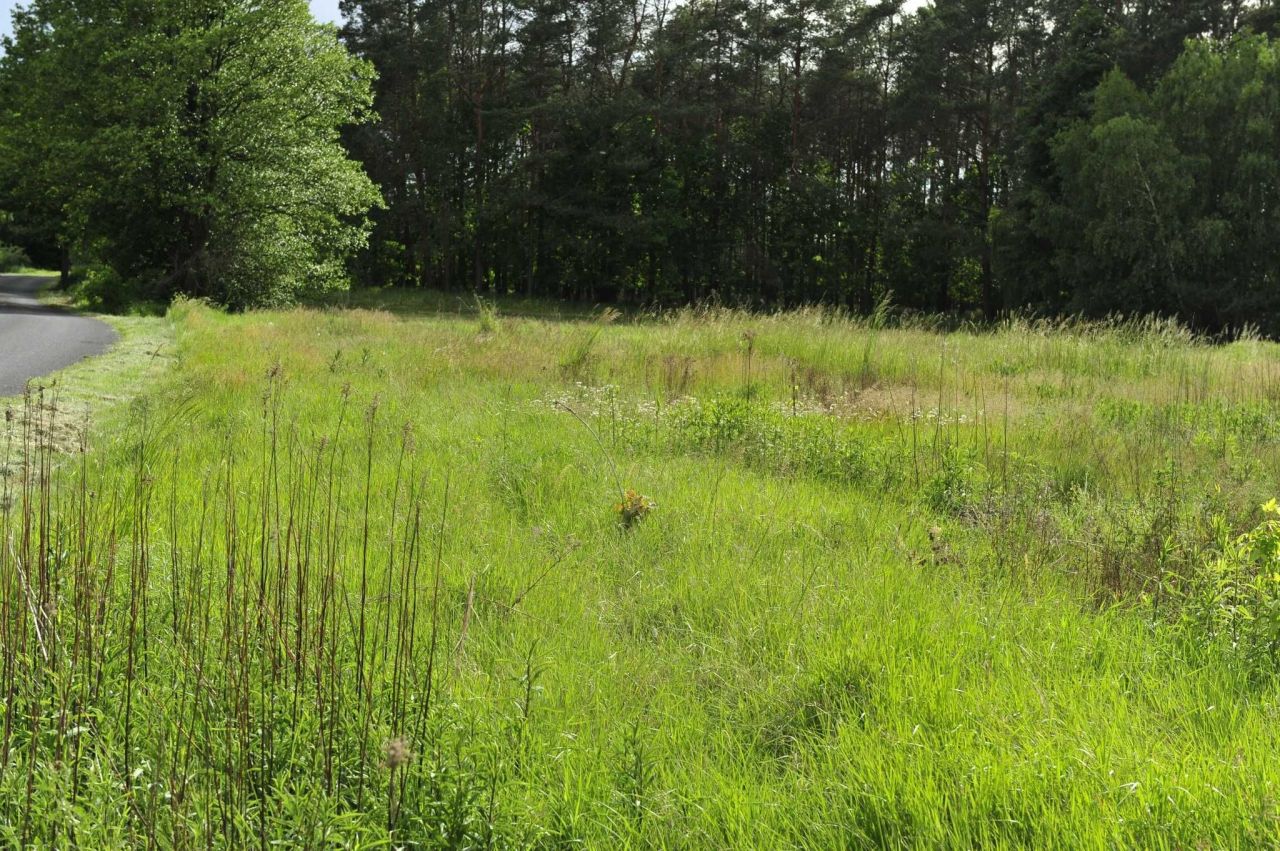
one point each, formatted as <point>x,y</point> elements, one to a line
<point>36,340</point>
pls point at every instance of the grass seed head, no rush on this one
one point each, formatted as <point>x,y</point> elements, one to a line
<point>396,752</point>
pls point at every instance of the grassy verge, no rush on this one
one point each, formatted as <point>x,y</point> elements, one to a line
<point>351,577</point>
<point>97,388</point>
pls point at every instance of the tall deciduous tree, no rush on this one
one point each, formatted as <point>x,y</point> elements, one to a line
<point>189,146</point>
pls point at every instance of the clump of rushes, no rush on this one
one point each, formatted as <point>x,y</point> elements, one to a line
<point>633,508</point>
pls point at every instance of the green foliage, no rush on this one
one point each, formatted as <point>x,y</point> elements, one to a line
<point>13,258</point>
<point>1233,600</point>
<point>1162,198</point>
<point>189,148</point>
<point>772,439</point>
<point>730,150</point>
<point>1127,185</point>
<point>102,289</point>
<point>953,489</point>
<point>969,158</point>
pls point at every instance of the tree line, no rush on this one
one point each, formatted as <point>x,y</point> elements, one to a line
<point>966,156</point>
<point>970,155</point>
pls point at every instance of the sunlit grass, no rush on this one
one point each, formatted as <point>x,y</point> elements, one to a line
<point>340,575</point>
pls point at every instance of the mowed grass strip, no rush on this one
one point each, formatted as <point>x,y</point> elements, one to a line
<point>346,577</point>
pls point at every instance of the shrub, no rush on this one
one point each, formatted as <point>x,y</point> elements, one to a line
<point>13,258</point>
<point>1234,599</point>
<point>102,289</point>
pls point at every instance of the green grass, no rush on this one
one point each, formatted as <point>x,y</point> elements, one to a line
<point>348,577</point>
<point>92,394</point>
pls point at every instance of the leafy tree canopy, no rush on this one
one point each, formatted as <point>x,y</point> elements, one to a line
<point>188,145</point>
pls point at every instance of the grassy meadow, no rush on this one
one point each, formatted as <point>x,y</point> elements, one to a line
<point>419,573</point>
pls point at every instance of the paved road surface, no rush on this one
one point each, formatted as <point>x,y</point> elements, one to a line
<point>36,340</point>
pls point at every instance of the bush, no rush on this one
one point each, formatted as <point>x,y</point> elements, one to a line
<point>1234,600</point>
<point>103,290</point>
<point>13,258</point>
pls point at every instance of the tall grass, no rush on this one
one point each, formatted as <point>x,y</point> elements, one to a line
<point>360,580</point>
<point>235,664</point>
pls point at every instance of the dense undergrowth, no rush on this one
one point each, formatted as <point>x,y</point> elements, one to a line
<point>351,578</point>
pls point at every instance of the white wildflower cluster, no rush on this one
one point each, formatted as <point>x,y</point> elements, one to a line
<point>605,400</point>
<point>588,400</point>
